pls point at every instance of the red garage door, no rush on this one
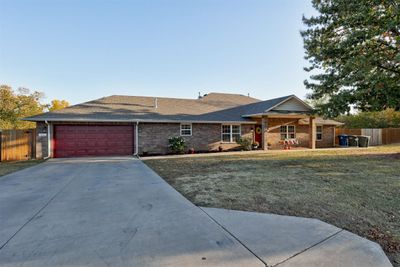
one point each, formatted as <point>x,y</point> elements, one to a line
<point>92,140</point>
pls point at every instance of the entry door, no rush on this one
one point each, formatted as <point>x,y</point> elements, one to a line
<point>257,134</point>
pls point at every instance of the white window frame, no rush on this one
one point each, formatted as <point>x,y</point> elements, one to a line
<point>231,140</point>
<point>287,131</point>
<point>191,129</point>
<point>321,132</point>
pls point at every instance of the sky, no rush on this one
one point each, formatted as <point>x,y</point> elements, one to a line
<point>83,50</point>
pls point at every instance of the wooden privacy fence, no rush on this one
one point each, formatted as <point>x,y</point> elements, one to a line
<point>17,144</point>
<point>383,136</point>
<point>391,135</point>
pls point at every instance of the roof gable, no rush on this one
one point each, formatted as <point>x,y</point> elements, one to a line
<point>292,104</point>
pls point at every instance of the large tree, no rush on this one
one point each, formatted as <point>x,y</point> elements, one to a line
<point>21,103</point>
<point>353,48</point>
<point>58,104</point>
<point>16,105</point>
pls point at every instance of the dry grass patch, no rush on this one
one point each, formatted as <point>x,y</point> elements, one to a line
<point>13,166</point>
<point>358,190</point>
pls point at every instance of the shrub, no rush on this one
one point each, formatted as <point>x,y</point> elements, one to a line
<point>245,143</point>
<point>377,119</point>
<point>177,144</point>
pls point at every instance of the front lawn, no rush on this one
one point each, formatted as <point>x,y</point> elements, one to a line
<point>358,190</point>
<point>12,166</point>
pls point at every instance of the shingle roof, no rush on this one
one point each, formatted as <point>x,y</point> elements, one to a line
<point>252,108</point>
<point>214,107</point>
<point>130,108</point>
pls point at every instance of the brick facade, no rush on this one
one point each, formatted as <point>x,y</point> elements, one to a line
<point>153,137</point>
<point>328,137</point>
<point>274,132</point>
<point>302,133</point>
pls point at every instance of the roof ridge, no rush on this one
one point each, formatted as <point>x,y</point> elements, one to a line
<point>152,97</point>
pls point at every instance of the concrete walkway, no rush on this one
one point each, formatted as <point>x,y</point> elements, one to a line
<point>288,241</point>
<point>118,212</point>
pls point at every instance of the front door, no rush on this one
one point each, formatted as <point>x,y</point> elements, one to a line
<point>257,135</point>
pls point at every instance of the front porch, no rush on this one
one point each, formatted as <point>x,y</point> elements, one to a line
<point>271,131</point>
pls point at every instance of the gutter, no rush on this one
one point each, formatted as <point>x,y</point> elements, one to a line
<point>48,141</point>
<point>136,152</point>
<point>139,120</point>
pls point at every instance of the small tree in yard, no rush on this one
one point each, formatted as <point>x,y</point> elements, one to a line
<point>177,145</point>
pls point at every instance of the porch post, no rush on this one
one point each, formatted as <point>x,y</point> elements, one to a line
<point>264,131</point>
<point>312,132</point>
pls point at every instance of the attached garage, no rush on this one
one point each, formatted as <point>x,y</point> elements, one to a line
<point>93,140</point>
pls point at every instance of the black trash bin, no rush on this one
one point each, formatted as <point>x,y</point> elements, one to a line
<point>353,140</point>
<point>343,140</point>
<point>363,140</point>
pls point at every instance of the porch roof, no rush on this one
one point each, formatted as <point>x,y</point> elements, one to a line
<point>320,121</point>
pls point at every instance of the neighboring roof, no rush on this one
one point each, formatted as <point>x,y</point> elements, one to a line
<point>132,108</point>
<point>320,121</point>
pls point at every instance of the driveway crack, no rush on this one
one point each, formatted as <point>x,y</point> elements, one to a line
<point>232,235</point>
<point>310,247</point>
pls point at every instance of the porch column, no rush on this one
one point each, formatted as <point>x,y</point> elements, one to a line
<point>264,131</point>
<point>312,132</point>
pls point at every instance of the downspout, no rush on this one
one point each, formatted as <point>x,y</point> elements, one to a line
<point>48,141</point>
<point>136,153</point>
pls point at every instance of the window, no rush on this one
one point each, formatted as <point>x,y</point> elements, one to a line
<point>319,133</point>
<point>186,129</point>
<point>230,133</point>
<point>288,132</point>
<point>235,133</point>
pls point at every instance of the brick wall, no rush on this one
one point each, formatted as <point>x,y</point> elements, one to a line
<point>153,137</point>
<point>274,132</point>
<point>328,137</point>
<point>302,133</point>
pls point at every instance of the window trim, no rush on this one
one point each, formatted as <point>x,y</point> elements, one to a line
<point>316,132</point>
<point>287,131</point>
<point>231,141</point>
<point>191,129</point>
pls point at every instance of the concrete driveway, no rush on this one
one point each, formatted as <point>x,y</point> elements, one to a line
<point>118,212</point>
<point>106,212</point>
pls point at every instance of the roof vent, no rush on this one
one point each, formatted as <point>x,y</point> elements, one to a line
<point>156,102</point>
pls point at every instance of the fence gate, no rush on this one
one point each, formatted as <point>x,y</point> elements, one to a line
<point>376,136</point>
<point>17,144</point>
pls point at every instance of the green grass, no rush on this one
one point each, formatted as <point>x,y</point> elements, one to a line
<point>13,166</point>
<point>358,190</point>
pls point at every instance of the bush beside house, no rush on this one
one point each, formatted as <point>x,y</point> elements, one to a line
<point>388,118</point>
